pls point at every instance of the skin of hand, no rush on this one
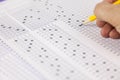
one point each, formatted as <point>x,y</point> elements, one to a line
<point>108,19</point>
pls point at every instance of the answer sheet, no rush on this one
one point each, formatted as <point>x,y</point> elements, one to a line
<point>44,40</point>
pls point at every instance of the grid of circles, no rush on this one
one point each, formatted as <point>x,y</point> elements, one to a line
<point>76,20</point>
<point>109,44</point>
<point>38,15</point>
<point>80,53</point>
<point>94,33</point>
<point>87,32</point>
<point>13,66</point>
<point>9,28</point>
<point>48,60</point>
<point>91,32</point>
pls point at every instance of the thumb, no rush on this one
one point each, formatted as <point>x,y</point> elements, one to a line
<point>109,13</point>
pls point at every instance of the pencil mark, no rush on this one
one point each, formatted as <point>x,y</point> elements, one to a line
<point>81,25</point>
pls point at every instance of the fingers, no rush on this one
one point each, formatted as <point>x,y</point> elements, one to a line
<point>108,19</point>
<point>106,30</point>
<point>100,23</point>
<point>108,13</point>
<point>114,34</point>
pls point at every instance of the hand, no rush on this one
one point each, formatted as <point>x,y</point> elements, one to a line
<point>108,19</point>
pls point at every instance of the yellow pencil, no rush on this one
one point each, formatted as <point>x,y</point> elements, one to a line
<point>93,17</point>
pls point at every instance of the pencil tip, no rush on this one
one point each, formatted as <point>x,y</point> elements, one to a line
<point>84,22</point>
<point>87,21</point>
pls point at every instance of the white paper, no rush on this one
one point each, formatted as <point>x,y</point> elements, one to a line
<point>43,40</point>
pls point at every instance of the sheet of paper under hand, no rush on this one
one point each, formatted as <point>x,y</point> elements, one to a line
<point>44,40</point>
